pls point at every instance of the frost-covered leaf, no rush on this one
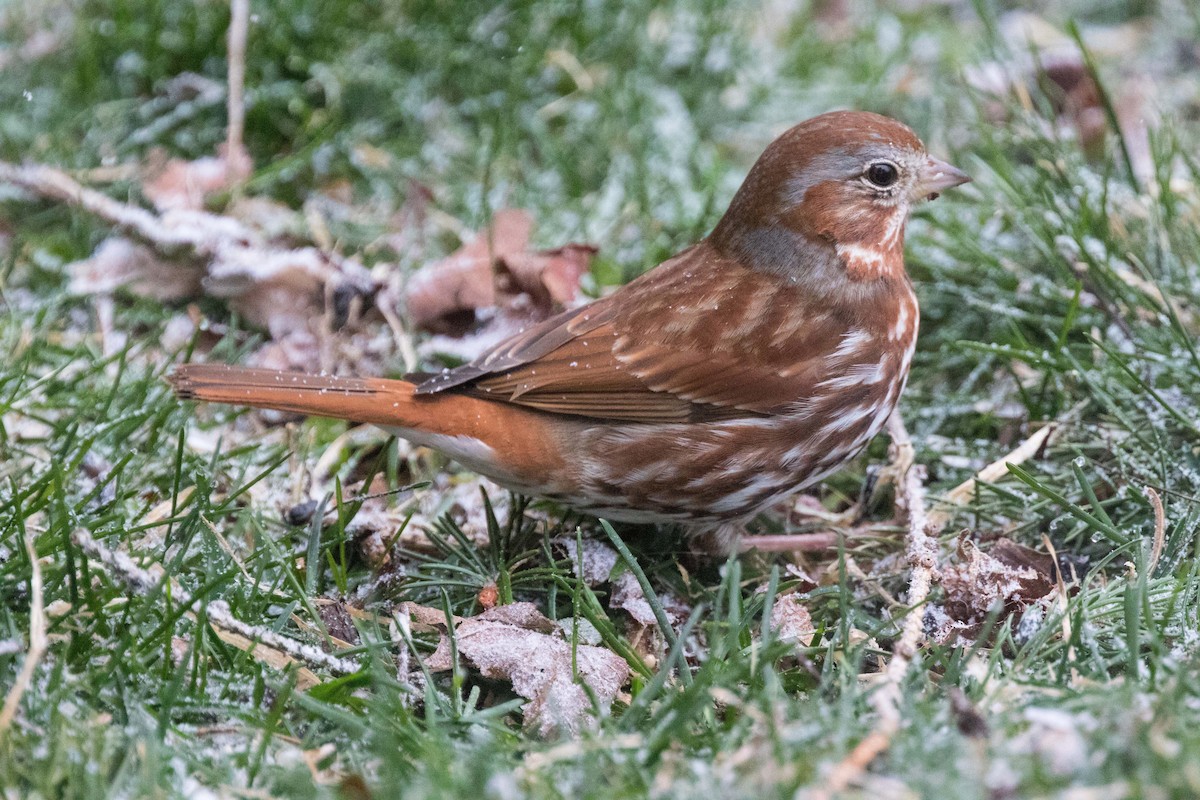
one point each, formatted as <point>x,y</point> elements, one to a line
<point>596,561</point>
<point>791,621</point>
<point>1008,575</point>
<point>516,643</point>
<point>119,263</point>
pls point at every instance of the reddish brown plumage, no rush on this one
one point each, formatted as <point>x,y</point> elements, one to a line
<point>751,364</point>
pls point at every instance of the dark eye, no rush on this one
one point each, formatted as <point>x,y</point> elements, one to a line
<point>883,174</point>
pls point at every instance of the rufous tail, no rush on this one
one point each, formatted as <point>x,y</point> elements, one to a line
<point>519,447</point>
<point>374,400</point>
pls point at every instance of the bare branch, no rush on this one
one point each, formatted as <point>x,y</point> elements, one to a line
<point>922,558</point>
<point>239,22</point>
<point>141,581</point>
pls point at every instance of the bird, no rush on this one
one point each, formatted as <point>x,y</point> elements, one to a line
<point>744,368</point>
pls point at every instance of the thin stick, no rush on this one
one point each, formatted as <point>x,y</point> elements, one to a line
<point>965,492</point>
<point>37,641</point>
<point>141,581</point>
<point>922,558</point>
<point>1160,529</point>
<point>239,22</point>
<point>223,242</point>
<point>57,185</point>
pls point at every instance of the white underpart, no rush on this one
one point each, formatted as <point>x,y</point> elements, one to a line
<point>866,259</point>
<point>893,231</point>
<point>901,327</point>
<point>852,341</point>
<point>858,375</point>
<point>467,450</point>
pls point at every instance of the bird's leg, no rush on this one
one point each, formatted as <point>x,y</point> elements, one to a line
<point>717,541</point>
<point>722,541</point>
<point>901,456</point>
<point>791,542</point>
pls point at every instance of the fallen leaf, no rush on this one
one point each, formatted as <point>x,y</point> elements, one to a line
<point>516,643</point>
<point>426,619</point>
<point>187,184</point>
<point>495,279</point>
<point>1008,575</point>
<point>119,263</point>
<point>296,293</point>
<point>627,595</point>
<point>791,621</point>
<point>598,559</point>
<point>550,277</point>
<point>443,296</point>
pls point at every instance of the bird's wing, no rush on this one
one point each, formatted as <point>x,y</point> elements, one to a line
<point>654,351</point>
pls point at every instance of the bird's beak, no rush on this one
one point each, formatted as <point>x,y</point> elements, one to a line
<point>937,176</point>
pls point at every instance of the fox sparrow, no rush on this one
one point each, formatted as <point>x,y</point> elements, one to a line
<point>747,366</point>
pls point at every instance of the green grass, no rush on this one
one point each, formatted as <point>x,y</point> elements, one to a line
<point>1054,288</point>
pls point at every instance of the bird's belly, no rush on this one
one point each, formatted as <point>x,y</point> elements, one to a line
<point>723,471</point>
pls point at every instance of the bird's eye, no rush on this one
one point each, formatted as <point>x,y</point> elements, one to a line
<point>882,174</point>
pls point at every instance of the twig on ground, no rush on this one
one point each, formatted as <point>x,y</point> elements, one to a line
<point>57,185</point>
<point>141,581</point>
<point>229,245</point>
<point>239,22</point>
<point>965,492</point>
<point>1160,530</point>
<point>37,641</point>
<point>922,557</point>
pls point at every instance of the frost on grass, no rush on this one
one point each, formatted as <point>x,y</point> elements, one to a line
<point>1046,62</point>
<point>593,561</point>
<point>596,564</point>
<point>516,643</point>
<point>1008,576</point>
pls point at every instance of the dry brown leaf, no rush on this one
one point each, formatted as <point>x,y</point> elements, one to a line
<point>516,643</point>
<point>119,263</point>
<point>425,619</point>
<point>627,595</point>
<point>1008,574</point>
<point>440,295</point>
<point>296,293</point>
<point>791,621</point>
<point>187,184</point>
<point>495,277</point>
<point>549,277</point>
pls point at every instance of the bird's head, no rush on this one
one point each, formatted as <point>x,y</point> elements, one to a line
<point>845,180</point>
